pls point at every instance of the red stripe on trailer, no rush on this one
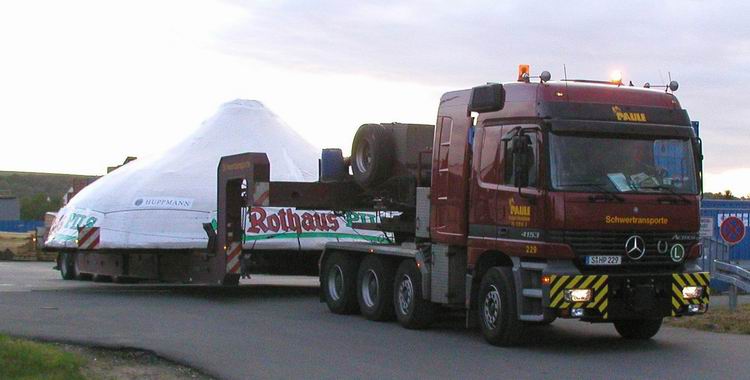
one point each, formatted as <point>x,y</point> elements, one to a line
<point>88,237</point>
<point>235,269</point>
<point>233,258</point>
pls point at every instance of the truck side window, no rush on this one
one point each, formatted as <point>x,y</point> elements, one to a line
<point>533,168</point>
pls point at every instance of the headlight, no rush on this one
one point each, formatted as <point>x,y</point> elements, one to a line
<point>692,292</point>
<point>578,295</point>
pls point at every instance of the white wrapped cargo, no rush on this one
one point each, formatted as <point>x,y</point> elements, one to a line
<point>161,202</point>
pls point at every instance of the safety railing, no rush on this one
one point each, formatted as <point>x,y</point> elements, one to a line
<point>736,276</point>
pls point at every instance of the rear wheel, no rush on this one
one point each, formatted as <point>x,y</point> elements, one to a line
<point>375,288</point>
<point>497,308</point>
<point>412,311</point>
<point>339,283</point>
<point>66,264</point>
<point>638,328</point>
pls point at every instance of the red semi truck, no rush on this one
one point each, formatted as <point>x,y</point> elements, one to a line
<point>526,202</point>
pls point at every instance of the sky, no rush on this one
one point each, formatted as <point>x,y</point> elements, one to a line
<point>83,84</point>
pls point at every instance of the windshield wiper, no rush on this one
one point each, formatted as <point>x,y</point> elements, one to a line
<point>669,189</point>
<point>609,195</point>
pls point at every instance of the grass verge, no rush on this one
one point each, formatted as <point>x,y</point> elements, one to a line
<point>21,359</point>
<point>717,320</point>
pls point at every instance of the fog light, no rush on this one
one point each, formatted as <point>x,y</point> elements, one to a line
<point>577,313</point>
<point>697,309</point>
<point>692,292</point>
<point>578,295</point>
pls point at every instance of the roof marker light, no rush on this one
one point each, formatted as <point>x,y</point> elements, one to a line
<point>523,73</point>
<point>616,77</point>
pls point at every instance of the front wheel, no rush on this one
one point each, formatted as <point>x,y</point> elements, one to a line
<point>497,308</point>
<point>638,328</point>
<point>412,310</point>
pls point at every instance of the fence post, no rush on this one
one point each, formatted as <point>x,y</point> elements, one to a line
<point>733,298</point>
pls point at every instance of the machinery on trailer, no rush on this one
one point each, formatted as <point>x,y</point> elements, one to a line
<point>527,201</point>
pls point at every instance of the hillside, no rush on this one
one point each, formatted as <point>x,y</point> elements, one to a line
<point>33,190</point>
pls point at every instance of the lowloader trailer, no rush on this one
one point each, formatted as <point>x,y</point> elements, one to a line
<point>526,201</point>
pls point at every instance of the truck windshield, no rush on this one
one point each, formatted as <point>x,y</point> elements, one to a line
<point>633,165</point>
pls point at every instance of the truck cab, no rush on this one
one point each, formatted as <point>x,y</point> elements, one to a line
<point>527,201</point>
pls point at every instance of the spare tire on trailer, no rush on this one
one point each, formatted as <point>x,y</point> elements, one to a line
<point>372,155</point>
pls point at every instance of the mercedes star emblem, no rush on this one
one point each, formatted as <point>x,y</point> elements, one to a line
<point>635,247</point>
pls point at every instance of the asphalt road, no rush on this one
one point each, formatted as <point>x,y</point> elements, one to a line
<point>279,331</point>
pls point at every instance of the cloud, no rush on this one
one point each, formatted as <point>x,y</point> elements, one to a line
<point>443,43</point>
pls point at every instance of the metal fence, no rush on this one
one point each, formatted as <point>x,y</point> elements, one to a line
<point>714,250</point>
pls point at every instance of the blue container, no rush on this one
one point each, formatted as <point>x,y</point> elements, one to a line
<point>332,166</point>
<point>713,212</point>
<point>20,225</point>
<point>718,210</point>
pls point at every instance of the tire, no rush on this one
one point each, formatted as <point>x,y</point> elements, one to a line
<point>412,311</point>
<point>375,288</point>
<point>498,319</point>
<point>66,265</point>
<point>338,281</point>
<point>640,329</point>
<point>372,155</point>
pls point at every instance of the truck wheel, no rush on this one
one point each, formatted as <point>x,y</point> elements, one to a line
<point>372,151</point>
<point>498,319</point>
<point>66,263</point>
<point>638,328</point>
<point>412,311</point>
<point>339,283</point>
<point>375,288</point>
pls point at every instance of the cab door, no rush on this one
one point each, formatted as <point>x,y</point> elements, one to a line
<point>520,210</point>
<point>487,179</point>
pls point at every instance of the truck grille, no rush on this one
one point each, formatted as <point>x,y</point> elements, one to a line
<point>612,243</point>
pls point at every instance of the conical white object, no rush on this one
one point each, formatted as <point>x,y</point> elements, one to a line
<point>162,201</point>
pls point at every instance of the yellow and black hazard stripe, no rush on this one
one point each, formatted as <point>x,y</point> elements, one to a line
<point>681,280</point>
<point>597,283</point>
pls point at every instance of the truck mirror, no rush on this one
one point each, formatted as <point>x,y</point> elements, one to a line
<point>487,98</point>
<point>522,159</point>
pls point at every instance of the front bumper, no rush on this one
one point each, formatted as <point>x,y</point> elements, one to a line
<point>627,296</point>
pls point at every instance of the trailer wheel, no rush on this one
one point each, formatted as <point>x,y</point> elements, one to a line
<point>66,263</point>
<point>339,283</point>
<point>497,308</point>
<point>372,152</point>
<point>375,288</point>
<point>638,328</point>
<point>412,311</point>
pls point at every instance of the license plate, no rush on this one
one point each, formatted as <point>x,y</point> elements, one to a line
<point>603,260</point>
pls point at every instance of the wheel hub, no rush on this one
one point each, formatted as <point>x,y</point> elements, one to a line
<point>335,282</point>
<point>491,307</point>
<point>370,288</point>
<point>405,294</point>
